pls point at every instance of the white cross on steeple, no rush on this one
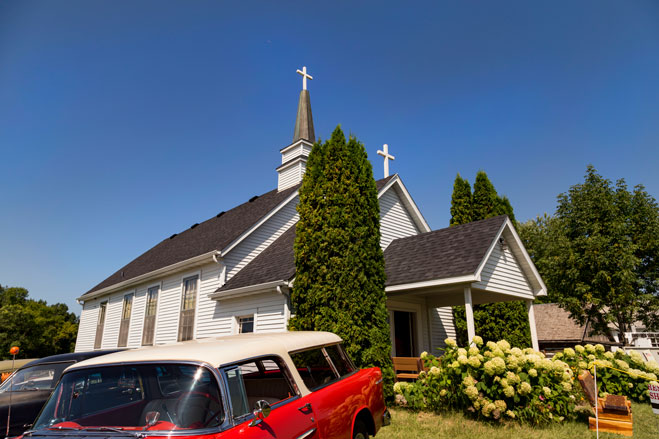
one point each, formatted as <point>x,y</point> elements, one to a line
<point>387,157</point>
<point>304,74</point>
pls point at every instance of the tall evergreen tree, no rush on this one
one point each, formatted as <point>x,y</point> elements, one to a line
<point>339,280</point>
<point>493,321</point>
<point>461,211</point>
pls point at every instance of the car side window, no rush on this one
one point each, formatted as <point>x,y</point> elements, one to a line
<point>340,359</point>
<point>313,367</point>
<point>262,379</point>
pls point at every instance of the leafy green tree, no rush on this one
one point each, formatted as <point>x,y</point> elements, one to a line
<point>599,254</point>
<point>494,321</point>
<point>461,203</point>
<point>37,328</point>
<point>339,279</point>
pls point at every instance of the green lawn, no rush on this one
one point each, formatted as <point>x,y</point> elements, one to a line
<point>406,424</point>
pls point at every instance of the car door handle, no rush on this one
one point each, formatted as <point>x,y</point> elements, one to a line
<point>304,408</point>
<point>307,434</point>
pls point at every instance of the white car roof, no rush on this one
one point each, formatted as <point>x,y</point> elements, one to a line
<point>220,350</point>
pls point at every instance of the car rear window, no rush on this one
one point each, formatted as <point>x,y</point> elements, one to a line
<point>313,367</point>
<point>340,359</point>
<point>38,377</point>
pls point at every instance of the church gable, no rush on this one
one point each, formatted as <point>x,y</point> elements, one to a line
<point>502,273</point>
<point>395,220</point>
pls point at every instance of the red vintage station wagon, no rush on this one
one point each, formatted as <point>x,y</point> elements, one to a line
<point>282,385</point>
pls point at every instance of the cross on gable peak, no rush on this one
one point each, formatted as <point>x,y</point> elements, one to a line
<point>387,157</point>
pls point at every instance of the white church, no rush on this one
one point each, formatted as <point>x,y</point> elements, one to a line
<point>233,273</point>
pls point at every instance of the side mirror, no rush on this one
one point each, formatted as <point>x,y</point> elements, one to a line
<point>261,411</point>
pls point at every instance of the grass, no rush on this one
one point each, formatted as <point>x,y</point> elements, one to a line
<point>407,424</point>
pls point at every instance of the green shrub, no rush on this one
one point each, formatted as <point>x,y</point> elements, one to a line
<point>618,373</point>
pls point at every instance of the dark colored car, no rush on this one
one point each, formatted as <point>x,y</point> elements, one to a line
<point>31,386</point>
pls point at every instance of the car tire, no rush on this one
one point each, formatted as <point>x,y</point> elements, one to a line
<point>360,431</point>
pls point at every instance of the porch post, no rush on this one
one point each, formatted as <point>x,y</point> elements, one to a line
<point>469,311</point>
<point>534,333</point>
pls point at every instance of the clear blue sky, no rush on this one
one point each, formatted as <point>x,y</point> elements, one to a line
<point>124,122</point>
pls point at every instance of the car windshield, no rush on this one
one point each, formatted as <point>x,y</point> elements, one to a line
<point>134,397</point>
<point>39,377</point>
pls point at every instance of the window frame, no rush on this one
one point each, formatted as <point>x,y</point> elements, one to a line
<point>281,362</point>
<point>158,288</point>
<point>240,323</point>
<point>197,277</point>
<point>100,324</point>
<point>338,377</point>
<point>124,323</point>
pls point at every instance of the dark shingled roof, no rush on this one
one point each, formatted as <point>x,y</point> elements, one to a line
<point>453,251</point>
<point>554,324</point>
<point>277,262</point>
<point>213,234</point>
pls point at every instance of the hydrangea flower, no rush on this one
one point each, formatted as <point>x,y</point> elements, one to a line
<point>478,341</point>
<point>495,366</point>
<point>525,388</point>
<point>468,381</point>
<point>503,345</point>
<point>509,391</point>
<point>590,348</point>
<point>462,351</point>
<point>501,405</point>
<point>582,365</point>
<point>622,364</point>
<point>599,348</point>
<point>510,414</point>
<point>609,355</point>
<point>455,364</point>
<point>569,352</point>
<point>533,373</point>
<point>443,393</point>
<point>488,409</point>
<point>474,362</point>
<point>462,359</point>
<point>424,354</point>
<point>512,377</point>
<point>547,391</point>
<point>434,371</point>
<point>491,345</point>
<point>450,342</point>
<point>580,349</point>
<point>516,352</point>
<point>473,350</point>
<point>471,392</point>
<point>567,386</point>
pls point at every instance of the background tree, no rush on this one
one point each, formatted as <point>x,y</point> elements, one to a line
<point>37,328</point>
<point>494,321</point>
<point>339,279</point>
<point>599,254</point>
<point>461,205</point>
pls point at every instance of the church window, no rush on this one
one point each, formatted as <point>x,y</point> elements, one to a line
<point>150,316</point>
<point>188,304</point>
<point>125,320</point>
<point>246,324</point>
<point>100,324</point>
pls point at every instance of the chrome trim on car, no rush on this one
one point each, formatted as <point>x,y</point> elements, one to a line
<point>307,434</point>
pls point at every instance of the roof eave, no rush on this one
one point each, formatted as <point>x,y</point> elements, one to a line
<point>247,290</point>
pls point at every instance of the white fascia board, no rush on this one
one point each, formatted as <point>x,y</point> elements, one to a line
<point>258,224</point>
<point>490,249</point>
<point>206,257</point>
<point>415,213</point>
<point>248,290</point>
<point>294,144</point>
<point>293,162</point>
<point>433,283</point>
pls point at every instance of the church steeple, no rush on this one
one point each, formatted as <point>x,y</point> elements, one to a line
<point>294,156</point>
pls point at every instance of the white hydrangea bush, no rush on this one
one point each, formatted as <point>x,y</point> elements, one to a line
<point>493,381</point>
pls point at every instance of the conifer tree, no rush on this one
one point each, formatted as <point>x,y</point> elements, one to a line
<point>461,201</point>
<point>493,321</point>
<point>339,280</point>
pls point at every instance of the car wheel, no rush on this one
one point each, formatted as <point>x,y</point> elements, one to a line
<point>360,431</point>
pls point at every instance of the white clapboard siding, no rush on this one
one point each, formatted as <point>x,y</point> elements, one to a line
<point>210,281</point>
<point>395,221</point>
<point>503,274</point>
<point>302,149</point>
<point>268,310</point>
<point>87,326</point>
<point>290,176</point>
<point>137,318</point>
<point>441,326</point>
<point>261,238</point>
<point>112,321</point>
<point>169,307</point>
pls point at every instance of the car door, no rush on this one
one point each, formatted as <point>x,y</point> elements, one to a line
<point>267,379</point>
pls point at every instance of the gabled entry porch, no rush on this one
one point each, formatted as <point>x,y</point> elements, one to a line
<point>476,263</point>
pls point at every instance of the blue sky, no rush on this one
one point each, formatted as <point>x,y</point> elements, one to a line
<point>124,122</point>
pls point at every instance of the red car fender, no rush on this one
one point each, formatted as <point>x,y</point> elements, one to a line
<point>357,412</point>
